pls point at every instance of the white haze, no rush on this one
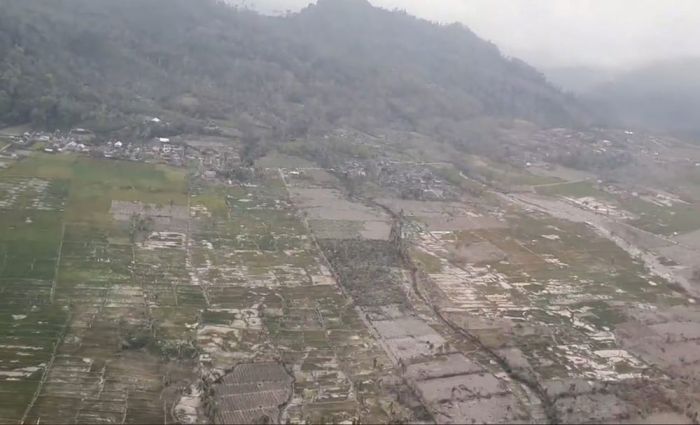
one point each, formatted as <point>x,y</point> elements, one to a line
<point>551,33</point>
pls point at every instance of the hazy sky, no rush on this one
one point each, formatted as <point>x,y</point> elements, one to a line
<point>562,32</point>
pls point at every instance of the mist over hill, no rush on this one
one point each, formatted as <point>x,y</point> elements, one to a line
<point>106,64</point>
<point>662,96</point>
<point>578,79</point>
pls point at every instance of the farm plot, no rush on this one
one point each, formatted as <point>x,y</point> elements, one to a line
<point>252,393</point>
<point>18,193</point>
<point>452,387</point>
<point>133,285</point>
<point>503,174</point>
<point>30,323</point>
<point>372,272</point>
<point>82,327</point>
<point>656,212</point>
<point>332,216</point>
<point>444,216</point>
<point>549,302</point>
<point>271,299</point>
<point>369,270</point>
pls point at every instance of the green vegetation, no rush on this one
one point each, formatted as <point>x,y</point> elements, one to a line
<point>95,183</point>
<point>454,177</point>
<point>660,219</point>
<point>72,62</point>
<point>62,254</point>
<point>575,190</point>
<point>429,263</point>
<point>680,218</point>
<point>504,174</point>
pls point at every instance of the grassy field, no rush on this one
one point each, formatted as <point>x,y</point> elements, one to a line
<point>506,174</point>
<point>61,280</point>
<point>679,219</point>
<point>575,190</point>
<point>94,326</point>
<point>16,130</point>
<point>664,220</point>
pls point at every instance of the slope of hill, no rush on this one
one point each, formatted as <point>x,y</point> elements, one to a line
<point>663,96</point>
<point>341,62</point>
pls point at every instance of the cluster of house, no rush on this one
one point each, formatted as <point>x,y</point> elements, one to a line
<point>410,181</point>
<point>158,150</point>
<point>75,140</point>
<point>218,161</point>
<point>415,182</point>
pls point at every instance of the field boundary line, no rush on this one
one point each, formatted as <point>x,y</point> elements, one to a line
<point>48,368</point>
<point>58,264</point>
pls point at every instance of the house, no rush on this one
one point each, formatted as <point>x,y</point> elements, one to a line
<point>82,135</point>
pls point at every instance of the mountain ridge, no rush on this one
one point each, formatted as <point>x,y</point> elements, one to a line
<point>336,63</point>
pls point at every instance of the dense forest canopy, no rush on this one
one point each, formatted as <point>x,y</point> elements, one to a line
<point>107,63</point>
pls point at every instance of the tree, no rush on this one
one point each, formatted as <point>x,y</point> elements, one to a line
<point>696,274</point>
<point>116,60</point>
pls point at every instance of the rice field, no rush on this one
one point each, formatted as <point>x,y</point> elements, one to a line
<point>125,284</point>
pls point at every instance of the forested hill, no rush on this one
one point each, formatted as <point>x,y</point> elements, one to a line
<point>106,63</point>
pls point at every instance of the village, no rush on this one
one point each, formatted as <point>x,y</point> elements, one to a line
<point>210,152</point>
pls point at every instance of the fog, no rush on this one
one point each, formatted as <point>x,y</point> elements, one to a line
<point>551,33</point>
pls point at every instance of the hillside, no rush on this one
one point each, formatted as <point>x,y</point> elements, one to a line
<point>106,64</point>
